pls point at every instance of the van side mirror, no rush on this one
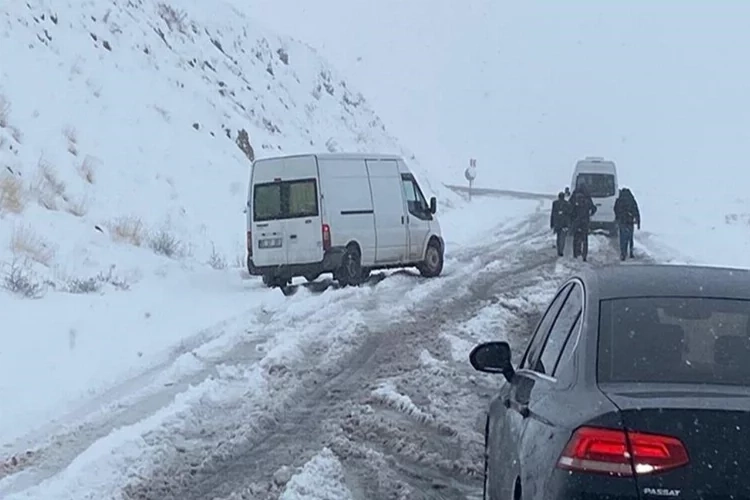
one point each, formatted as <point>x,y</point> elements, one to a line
<point>433,205</point>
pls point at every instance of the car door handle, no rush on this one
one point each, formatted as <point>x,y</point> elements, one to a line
<point>293,237</point>
<point>402,219</point>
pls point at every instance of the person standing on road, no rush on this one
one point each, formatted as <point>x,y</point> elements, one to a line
<point>627,215</point>
<point>559,221</point>
<point>583,208</point>
<point>567,193</point>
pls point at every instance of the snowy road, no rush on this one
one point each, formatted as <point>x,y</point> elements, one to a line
<point>369,389</point>
<point>400,412</point>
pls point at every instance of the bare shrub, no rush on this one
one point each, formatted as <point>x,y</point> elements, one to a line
<point>243,142</point>
<point>15,133</point>
<point>94,284</point>
<point>18,278</point>
<point>174,18</point>
<point>25,242</point>
<point>127,230</point>
<point>4,111</point>
<point>87,169</point>
<point>78,208</point>
<point>216,260</point>
<point>165,243</point>
<point>49,187</point>
<point>70,134</point>
<point>12,195</point>
<point>72,137</point>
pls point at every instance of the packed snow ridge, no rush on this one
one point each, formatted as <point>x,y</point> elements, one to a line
<point>127,130</point>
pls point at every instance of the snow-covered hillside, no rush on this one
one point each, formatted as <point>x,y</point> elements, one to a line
<point>126,133</point>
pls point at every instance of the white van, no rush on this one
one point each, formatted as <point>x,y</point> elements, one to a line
<point>600,177</point>
<point>342,213</point>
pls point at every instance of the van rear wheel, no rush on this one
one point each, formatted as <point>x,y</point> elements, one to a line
<point>350,272</point>
<point>269,280</point>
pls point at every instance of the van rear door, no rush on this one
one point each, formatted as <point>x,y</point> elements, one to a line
<point>286,212</point>
<point>602,187</point>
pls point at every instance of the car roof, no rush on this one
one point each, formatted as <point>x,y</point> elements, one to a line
<point>679,280</point>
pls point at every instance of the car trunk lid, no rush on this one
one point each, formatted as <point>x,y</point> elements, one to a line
<point>711,422</point>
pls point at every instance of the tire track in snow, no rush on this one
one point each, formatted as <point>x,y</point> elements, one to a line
<point>336,407</point>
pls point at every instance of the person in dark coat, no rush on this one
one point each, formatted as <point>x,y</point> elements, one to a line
<point>583,208</point>
<point>559,221</point>
<point>627,215</point>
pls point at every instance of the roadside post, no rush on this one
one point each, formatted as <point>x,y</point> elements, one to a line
<point>471,173</point>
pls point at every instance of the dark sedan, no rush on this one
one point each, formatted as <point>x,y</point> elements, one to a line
<point>635,384</point>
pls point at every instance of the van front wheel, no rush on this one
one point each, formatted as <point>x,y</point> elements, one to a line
<point>350,272</point>
<point>432,265</point>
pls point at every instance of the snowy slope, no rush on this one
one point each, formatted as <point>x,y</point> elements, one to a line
<point>123,184</point>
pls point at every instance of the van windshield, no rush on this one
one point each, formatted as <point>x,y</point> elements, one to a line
<point>598,185</point>
<point>285,200</point>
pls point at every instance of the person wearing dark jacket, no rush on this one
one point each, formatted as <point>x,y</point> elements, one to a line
<point>583,208</point>
<point>627,215</point>
<point>559,221</point>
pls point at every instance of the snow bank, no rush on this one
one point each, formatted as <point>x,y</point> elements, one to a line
<point>322,478</point>
<point>702,228</point>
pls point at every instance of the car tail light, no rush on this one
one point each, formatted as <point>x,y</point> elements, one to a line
<point>326,237</point>
<point>619,453</point>
<point>249,243</point>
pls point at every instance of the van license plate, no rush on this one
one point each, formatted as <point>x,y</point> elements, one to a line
<point>270,243</point>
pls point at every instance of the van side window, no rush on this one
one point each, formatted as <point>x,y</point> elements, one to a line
<point>415,201</point>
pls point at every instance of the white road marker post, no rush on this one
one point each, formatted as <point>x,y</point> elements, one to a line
<point>471,173</point>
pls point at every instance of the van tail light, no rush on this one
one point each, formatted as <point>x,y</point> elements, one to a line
<point>621,453</point>
<point>326,237</point>
<point>249,244</point>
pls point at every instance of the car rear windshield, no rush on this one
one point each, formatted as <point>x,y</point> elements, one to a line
<point>285,200</point>
<point>674,340</point>
<point>598,185</point>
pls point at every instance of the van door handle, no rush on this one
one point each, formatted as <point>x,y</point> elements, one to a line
<point>292,236</point>
<point>308,221</point>
<point>402,219</point>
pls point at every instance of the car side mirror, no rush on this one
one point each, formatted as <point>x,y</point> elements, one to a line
<point>433,205</point>
<point>492,357</point>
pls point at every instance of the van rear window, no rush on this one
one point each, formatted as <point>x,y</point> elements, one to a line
<point>598,185</point>
<point>285,200</point>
